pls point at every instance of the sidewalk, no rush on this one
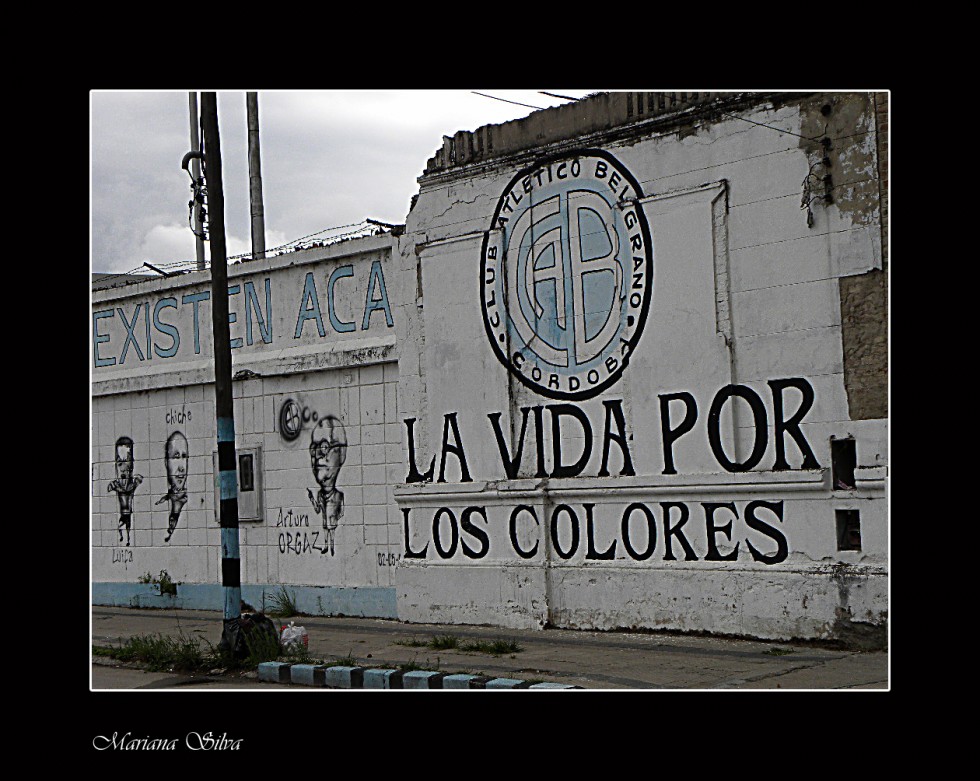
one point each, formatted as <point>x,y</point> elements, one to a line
<point>588,660</point>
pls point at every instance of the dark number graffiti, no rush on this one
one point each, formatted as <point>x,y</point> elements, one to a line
<point>388,559</point>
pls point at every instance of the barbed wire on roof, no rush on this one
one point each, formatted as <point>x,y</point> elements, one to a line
<point>132,276</point>
<point>320,238</point>
<point>310,241</point>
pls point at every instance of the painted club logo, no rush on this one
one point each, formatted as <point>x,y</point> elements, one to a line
<point>567,274</point>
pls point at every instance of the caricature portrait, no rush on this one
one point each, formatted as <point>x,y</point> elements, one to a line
<point>328,451</point>
<point>125,484</point>
<point>176,460</point>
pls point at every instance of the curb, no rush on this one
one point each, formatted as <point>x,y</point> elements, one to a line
<point>341,677</point>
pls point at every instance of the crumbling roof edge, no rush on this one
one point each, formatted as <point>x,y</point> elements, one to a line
<point>613,113</point>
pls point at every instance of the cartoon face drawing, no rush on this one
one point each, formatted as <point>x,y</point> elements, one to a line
<point>176,459</point>
<point>124,458</point>
<point>328,450</point>
<point>125,484</point>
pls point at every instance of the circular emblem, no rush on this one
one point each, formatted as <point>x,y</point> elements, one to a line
<point>290,422</point>
<point>566,274</point>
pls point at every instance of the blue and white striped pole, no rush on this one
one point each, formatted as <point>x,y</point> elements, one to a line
<point>228,513</point>
<point>224,405</point>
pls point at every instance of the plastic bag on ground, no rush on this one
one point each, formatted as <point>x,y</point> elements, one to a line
<point>294,635</point>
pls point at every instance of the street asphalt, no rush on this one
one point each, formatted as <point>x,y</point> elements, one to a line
<point>573,658</point>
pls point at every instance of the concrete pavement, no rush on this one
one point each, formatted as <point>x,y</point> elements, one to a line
<point>589,660</point>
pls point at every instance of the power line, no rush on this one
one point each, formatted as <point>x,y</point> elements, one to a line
<point>772,127</point>
<point>526,105</point>
<point>553,95</point>
<point>723,113</point>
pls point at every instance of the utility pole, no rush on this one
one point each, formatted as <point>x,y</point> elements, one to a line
<point>255,176</point>
<point>195,176</point>
<point>224,406</point>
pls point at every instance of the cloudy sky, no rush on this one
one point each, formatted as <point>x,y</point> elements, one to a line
<point>329,158</point>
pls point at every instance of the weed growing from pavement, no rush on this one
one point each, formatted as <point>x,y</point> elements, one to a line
<point>101,650</point>
<point>412,666</point>
<point>283,604</point>
<point>190,654</point>
<point>444,642</point>
<point>774,651</point>
<point>160,652</point>
<point>166,583</point>
<point>451,642</point>
<point>492,647</point>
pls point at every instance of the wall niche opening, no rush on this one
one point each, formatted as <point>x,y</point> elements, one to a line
<point>843,462</point>
<point>848,529</point>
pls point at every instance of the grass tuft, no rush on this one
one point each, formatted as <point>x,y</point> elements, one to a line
<point>183,654</point>
<point>166,583</point>
<point>283,604</point>
<point>444,642</point>
<point>453,643</point>
<point>345,661</point>
<point>493,647</point>
<point>159,653</point>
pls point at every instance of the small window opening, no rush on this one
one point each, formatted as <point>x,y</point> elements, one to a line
<point>843,459</point>
<point>246,471</point>
<point>848,530</point>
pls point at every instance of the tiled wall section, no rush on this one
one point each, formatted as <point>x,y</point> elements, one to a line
<point>285,546</point>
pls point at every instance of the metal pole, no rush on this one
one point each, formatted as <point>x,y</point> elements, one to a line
<point>196,174</point>
<point>224,406</point>
<point>255,176</point>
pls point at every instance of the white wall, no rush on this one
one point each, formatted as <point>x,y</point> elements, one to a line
<point>742,292</point>
<point>745,293</point>
<point>351,375</point>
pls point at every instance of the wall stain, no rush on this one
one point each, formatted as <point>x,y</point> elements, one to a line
<point>847,119</point>
<point>850,122</point>
<point>869,635</point>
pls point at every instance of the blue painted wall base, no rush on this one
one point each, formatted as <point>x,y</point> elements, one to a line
<point>367,602</point>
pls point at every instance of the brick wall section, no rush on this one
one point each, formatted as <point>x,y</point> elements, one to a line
<point>864,315</point>
<point>864,307</point>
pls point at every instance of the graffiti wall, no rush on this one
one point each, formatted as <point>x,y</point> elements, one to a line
<point>632,410</point>
<point>597,382</point>
<point>151,464</point>
<point>301,309</point>
<point>318,436</point>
